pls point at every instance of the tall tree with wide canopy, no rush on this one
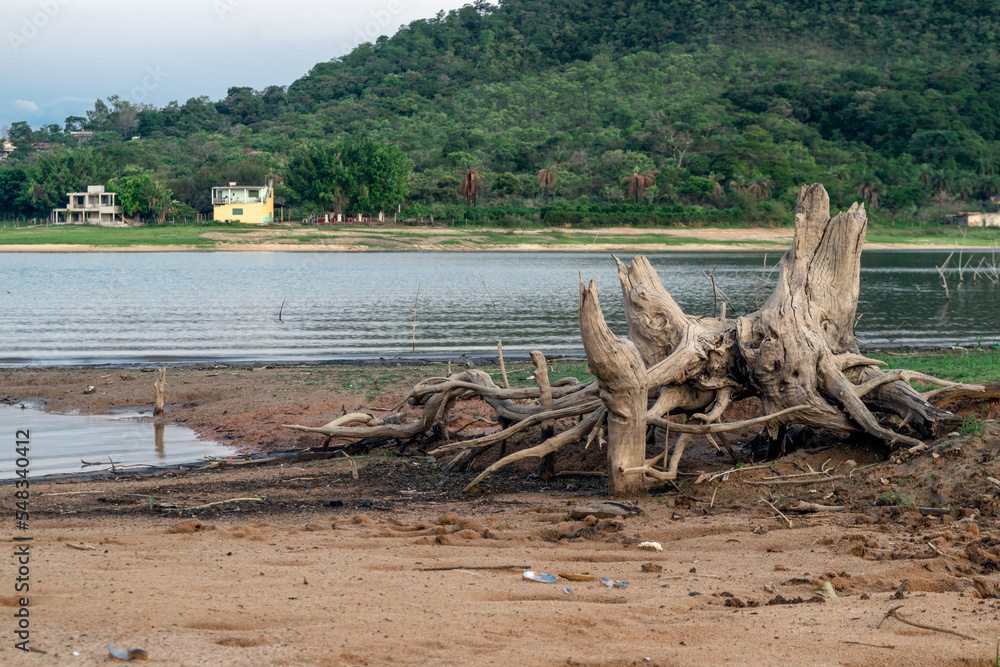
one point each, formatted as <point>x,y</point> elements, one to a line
<point>638,182</point>
<point>379,175</point>
<point>315,174</point>
<point>142,196</point>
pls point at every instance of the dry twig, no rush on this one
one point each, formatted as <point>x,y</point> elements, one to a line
<point>223,502</point>
<point>894,612</point>
<point>787,520</point>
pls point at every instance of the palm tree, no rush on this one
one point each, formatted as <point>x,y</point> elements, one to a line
<point>868,187</point>
<point>989,185</point>
<point>760,187</point>
<point>940,180</point>
<point>717,179</point>
<point>987,163</point>
<point>925,173</point>
<point>739,184</point>
<point>470,185</point>
<point>547,178</point>
<point>965,187</point>
<point>637,183</point>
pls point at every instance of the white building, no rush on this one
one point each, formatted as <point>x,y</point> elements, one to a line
<point>95,207</point>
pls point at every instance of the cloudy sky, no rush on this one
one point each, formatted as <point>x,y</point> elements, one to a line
<point>58,56</point>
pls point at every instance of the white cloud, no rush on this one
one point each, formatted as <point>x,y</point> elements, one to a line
<point>26,105</point>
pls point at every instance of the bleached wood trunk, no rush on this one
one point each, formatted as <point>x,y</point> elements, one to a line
<point>797,353</point>
<point>621,374</point>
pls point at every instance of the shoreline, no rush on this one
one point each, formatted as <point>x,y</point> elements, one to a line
<point>376,360</point>
<point>214,563</point>
<point>464,240</point>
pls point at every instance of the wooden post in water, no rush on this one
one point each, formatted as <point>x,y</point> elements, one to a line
<point>161,380</point>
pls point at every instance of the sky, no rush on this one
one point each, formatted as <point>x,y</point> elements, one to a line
<point>58,56</point>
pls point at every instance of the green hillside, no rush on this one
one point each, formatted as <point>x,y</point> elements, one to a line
<point>643,112</point>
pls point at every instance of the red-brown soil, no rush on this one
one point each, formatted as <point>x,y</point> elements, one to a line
<point>324,569</point>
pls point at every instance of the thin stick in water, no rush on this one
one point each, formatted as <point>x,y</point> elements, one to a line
<point>487,291</point>
<point>280,310</point>
<point>414,349</point>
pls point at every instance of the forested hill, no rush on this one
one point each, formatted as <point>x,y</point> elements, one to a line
<point>726,106</point>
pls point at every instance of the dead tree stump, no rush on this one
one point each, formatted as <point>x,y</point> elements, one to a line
<point>797,353</point>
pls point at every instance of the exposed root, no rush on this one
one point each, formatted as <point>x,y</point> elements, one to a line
<point>549,446</point>
<point>494,438</point>
<point>726,426</point>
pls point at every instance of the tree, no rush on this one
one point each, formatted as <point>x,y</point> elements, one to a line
<point>75,123</point>
<point>97,117</point>
<point>379,175</point>
<point>902,197</point>
<point>506,184</point>
<point>13,193</point>
<point>759,187</point>
<point>316,175</point>
<point>547,178</point>
<point>20,131</point>
<point>470,185</point>
<point>679,143</point>
<point>637,183</point>
<point>140,196</point>
<point>868,189</point>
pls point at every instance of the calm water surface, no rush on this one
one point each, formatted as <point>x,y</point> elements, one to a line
<point>58,443</point>
<point>77,308</point>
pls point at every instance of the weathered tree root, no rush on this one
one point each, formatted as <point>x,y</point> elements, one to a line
<point>797,353</point>
<point>522,408</point>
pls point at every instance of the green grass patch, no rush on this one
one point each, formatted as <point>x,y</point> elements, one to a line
<point>521,373</point>
<point>932,234</point>
<point>970,365</point>
<point>118,237</point>
<point>894,498</point>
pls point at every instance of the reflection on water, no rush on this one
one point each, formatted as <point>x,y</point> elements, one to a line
<point>59,443</point>
<point>114,307</point>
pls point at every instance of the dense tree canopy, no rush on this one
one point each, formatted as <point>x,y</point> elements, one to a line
<point>734,104</point>
<point>141,196</point>
<point>360,176</point>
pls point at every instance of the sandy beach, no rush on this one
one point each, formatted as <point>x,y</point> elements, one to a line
<point>315,567</point>
<point>443,239</point>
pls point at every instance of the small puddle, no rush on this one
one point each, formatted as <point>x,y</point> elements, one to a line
<point>59,443</point>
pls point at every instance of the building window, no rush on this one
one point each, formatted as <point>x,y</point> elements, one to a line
<point>254,193</point>
<point>237,211</point>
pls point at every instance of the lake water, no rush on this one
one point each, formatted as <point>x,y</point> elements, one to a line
<point>77,308</point>
<point>59,443</point>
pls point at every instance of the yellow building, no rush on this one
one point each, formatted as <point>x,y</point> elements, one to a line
<point>253,205</point>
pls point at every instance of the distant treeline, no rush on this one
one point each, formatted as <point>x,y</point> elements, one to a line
<point>552,111</point>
